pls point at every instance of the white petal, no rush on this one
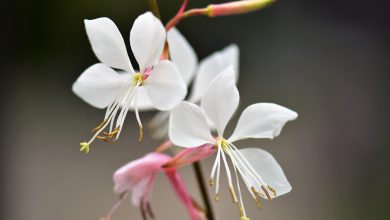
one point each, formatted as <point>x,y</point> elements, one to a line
<point>211,66</point>
<point>165,86</point>
<point>98,85</point>
<point>188,126</point>
<point>182,54</point>
<point>268,169</point>
<point>107,43</point>
<point>143,100</point>
<point>220,99</point>
<point>262,120</point>
<point>147,38</point>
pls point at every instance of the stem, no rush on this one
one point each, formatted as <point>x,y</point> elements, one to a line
<point>175,20</point>
<point>202,187</point>
<point>154,8</point>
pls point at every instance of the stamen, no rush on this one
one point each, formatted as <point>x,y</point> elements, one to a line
<point>254,190</point>
<point>217,197</point>
<point>100,125</point>
<point>272,190</point>
<point>235,166</point>
<point>258,203</point>
<point>240,207</point>
<point>267,194</point>
<point>233,193</point>
<point>141,133</point>
<point>109,137</point>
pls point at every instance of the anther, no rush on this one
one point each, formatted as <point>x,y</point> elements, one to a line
<point>258,203</point>
<point>141,134</point>
<point>109,137</point>
<point>272,190</point>
<point>241,210</point>
<point>266,193</point>
<point>254,190</point>
<point>100,126</point>
<point>211,182</point>
<point>217,197</point>
<point>233,193</point>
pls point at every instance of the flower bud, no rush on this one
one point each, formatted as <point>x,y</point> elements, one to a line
<point>236,7</point>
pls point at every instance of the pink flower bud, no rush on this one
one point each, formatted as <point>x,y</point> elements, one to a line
<point>236,7</point>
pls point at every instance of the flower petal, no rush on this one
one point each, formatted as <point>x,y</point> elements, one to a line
<point>220,99</point>
<point>107,43</point>
<point>147,37</point>
<point>211,66</point>
<point>142,191</point>
<point>182,54</point>
<point>181,191</point>
<point>269,170</point>
<point>98,85</point>
<point>190,155</point>
<point>165,86</point>
<point>129,175</point>
<point>262,120</point>
<point>188,126</point>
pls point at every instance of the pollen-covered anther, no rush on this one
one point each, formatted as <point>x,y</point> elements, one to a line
<point>272,190</point>
<point>267,194</point>
<point>256,198</point>
<point>141,134</point>
<point>212,182</point>
<point>99,126</point>
<point>217,197</point>
<point>233,193</point>
<point>254,190</point>
<point>109,137</point>
<point>240,207</point>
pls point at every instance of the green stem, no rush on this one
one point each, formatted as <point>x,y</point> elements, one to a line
<point>203,190</point>
<point>154,8</point>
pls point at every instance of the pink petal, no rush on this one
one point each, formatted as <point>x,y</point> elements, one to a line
<point>190,155</point>
<point>181,191</point>
<point>142,191</point>
<point>128,176</point>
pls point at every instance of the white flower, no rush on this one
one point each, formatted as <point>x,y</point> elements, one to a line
<point>157,84</point>
<point>260,172</point>
<point>208,69</point>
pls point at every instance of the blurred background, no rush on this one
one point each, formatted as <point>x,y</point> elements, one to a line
<point>327,60</point>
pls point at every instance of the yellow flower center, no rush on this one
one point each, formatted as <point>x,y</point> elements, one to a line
<point>138,79</point>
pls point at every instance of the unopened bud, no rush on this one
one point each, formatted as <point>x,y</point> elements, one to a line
<point>236,7</point>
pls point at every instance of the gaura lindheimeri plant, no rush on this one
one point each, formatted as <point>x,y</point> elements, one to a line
<point>138,177</point>
<point>208,69</point>
<point>261,174</point>
<point>167,64</point>
<point>158,82</point>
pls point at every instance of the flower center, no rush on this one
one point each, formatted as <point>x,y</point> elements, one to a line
<point>138,79</point>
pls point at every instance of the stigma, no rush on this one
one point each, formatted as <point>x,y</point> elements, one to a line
<point>111,126</point>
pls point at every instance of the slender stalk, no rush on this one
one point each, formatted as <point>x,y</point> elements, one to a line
<point>154,8</point>
<point>203,190</point>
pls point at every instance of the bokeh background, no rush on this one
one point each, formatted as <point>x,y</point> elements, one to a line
<point>327,60</point>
